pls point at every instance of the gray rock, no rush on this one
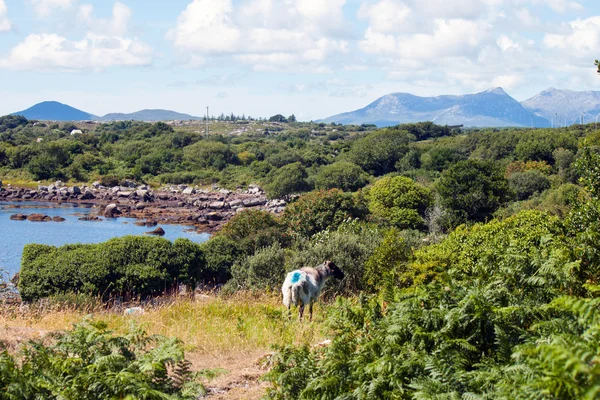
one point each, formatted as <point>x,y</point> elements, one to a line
<point>123,194</point>
<point>140,206</point>
<point>158,231</point>
<point>225,192</point>
<point>88,195</point>
<point>96,185</point>
<point>40,188</point>
<point>75,190</point>
<point>236,203</point>
<point>58,184</point>
<point>111,211</point>
<point>254,202</point>
<point>216,205</point>
<point>189,190</point>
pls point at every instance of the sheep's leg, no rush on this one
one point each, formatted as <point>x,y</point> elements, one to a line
<point>301,308</point>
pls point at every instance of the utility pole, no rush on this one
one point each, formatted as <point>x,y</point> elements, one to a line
<point>206,130</point>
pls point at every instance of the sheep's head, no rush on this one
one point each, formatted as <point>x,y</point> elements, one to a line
<point>333,270</point>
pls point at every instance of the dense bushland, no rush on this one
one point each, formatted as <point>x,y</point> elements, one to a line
<point>501,310</point>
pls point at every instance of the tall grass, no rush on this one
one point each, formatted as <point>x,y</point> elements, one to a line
<point>214,326</point>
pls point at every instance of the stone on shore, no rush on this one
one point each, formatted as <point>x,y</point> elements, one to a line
<point>158,231</point>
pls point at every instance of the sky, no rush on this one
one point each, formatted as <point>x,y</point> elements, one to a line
<point>312,58</point>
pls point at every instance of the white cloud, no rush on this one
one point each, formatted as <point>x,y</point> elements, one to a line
<point>94,52</point>
<point>5,24</point>
<point>506,44</point>
<point>581,41</point>
<point>268,34</point>
<point>507,81</point>
<point>117,25</point>
<point>386,16</point>
<point>43,8</point>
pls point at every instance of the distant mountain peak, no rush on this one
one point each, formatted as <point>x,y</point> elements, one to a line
<point>55,111</point>
<point>478,109</point>
<point>498,91</point>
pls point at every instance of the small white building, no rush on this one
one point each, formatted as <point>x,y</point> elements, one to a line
<point>75,131</point>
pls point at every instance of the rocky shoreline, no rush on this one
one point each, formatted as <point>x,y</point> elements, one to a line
<point>207,210</point>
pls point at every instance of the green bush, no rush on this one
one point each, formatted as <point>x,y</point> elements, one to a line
<point>265,269</point>
<point>472,190</point>
<point>342,175</point>
<point>91,362</point>
<point>220,253</point>
<point>254,229</point>
<point>349,247</point>
<point>378,152</point>
<point>320,210</point>
<point>130,265</point>
<point>526,184</point>
<point>287,180</point>
<point>399,201</point>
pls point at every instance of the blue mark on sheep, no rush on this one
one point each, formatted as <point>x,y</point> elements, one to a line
<point>296,277</point>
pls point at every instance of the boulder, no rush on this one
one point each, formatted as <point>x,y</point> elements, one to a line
<point>90,218</point>
<point>189,190</point>
<point>158,231</point>
<point>124,194</point>
<point>217,205</point>
<point>18,217</point>
<point>75,190</point>
<point>38,218</point>
<point>139,223</point>
<point>254,202</point>
<point>140,206</point>
<point>88,195</point>
<point>96,184</point>
<point>58,184</point>
<point>111,211</point>
<point>213,216</point>
<point>236,203</point>
<point>58,219</point>
<point>151,223</point>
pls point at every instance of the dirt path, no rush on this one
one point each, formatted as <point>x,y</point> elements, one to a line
<point>240,378</point>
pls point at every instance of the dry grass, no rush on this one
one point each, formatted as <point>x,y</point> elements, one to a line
<point>210,325</point>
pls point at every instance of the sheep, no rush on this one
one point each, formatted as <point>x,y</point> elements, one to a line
<point>303,286</point>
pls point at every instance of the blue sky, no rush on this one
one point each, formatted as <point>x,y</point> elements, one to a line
<point>313,58</point>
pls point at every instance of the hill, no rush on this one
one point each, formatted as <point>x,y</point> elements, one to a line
<point>149,115</point>
<point>567,106</point>
<point>491,108</point>
<point>55,111</point>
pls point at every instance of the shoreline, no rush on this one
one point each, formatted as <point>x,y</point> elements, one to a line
<point>206,210</point>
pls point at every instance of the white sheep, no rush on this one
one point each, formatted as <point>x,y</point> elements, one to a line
<point>303,286</point>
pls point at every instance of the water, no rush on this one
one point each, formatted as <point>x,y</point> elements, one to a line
<point>14,235</point>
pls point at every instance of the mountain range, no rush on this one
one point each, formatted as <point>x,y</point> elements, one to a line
<point>55,111</point>
<point>491,108</point>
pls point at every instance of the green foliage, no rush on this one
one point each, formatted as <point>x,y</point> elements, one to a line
<point>342,175</point>
<point>207,154</point>
<point>254,229</point>
<point>457,334</point>
<point>387,262</point>
<point>287,180</point>
<point>133,265</point>
<point>349,247</point>
<point>220,253</point>
<point>264,269</point>
<point>526,184</point>
<point>320,210</point>
<point>399,201</point>
<point>378,152</point>
<point>472,190</point>
<point>90,362</point>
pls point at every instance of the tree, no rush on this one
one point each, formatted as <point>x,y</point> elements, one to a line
<point>378,152</point>
<point>399,201</point>
<point>342,175</point>
<point>278,118</point>
<point>287,180</point>
<point>526,184</point>
<point>324,209</point>
<point>206,154</point>
<point>291,118</point>
<point>597,64</point>
<point>472,190</point>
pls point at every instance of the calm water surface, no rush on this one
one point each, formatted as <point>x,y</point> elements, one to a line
<point>14,235</point>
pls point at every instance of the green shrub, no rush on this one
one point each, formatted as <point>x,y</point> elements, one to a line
<point>220,253</point>
<point>399,201</point>
<point>287,180</point>
<point>265,269</point>
<point>320,210</point>
<point>132,264</point>
<point>91,362</point>
<point>526,184</point>
<point>342,175</point>
<point>254,229</point>
<point>349,247</point>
